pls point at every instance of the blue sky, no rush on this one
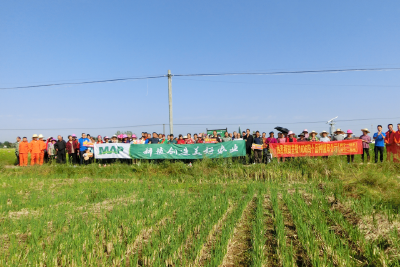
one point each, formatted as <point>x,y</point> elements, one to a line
<point>72,41</point>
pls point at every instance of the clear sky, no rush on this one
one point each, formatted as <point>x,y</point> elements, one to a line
<point>56,41</point>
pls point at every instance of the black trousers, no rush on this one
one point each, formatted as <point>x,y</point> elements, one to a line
<point>72,158</point>
<point>257,156</point>
<point>81,157</point>
<point>17,155</point>
<point>350,157</point>
<point>61,157</point>
<point>365,151</point>
<point>248,152</point>
<point>379,149</point>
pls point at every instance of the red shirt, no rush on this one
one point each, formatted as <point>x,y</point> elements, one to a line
<point>200,141</point>
<point>189,141</point>
<point>181,142</point>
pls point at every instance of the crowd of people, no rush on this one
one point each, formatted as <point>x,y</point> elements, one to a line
<point>79,152</point>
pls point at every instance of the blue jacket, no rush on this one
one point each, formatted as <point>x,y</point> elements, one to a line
<point>81,141</point>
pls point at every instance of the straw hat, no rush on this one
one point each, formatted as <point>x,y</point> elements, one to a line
<point>323,133</point>
<point>185,137</point>
<point>35,135</point>
<point>339,131</point>
<point>313,132</point>
<point>40,135</point>
<point>365,130</point>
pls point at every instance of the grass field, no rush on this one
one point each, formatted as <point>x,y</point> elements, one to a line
<point>306,212</point>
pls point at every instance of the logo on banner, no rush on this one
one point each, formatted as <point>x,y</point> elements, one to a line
<point>113,150</point>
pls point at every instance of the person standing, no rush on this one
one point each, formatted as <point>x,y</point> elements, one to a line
<point>60,147</point>
<point>350,137</point>
<point>17,149</point>
<point>23,151</point>
<point>42,149</point>
<point>83,148</point>
<point>302,138</point>
<point>396,157</point>
<point>51,152</point>
<point>181,141</point>
<point>290,138</point>
<point>226,138</point>
<point>249,142</point>
<point>257,152</point>
<point>216,137</point>
<point>155,139</point>
<point>306,135</point>
<point>281,139</point>
<point>34,148</point>
<point>72,148</point>
<point>270,140</point>
<point>189,140</point>
<point>379,147</point>
<point>366,139</point>
<point>338,135</point>
<point>313,136</point>
<point>390,143</point>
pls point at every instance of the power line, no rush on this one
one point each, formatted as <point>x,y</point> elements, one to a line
<point>204,74</point>
<point>197,124</point>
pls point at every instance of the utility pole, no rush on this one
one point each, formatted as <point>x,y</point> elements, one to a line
<point>332,123</point>
<point>171,127</point>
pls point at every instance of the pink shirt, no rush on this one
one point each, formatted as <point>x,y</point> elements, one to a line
<point>282,140</point>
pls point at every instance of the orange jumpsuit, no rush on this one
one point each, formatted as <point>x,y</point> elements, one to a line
<point>42,149</point>
<point>390,144</point>
<point>23,153</point>
<point>34,147</point>
<point>396,157</point>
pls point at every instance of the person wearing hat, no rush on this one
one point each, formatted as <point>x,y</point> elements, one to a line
<point>51,150</point>
<point>338,135</point>
<point>290,138</point>
<point>306,135</point>
<point>379,147</point>
<point>23,151</point>
<point>43,148</point>
<point>302,137</point>
<point>35,149</point>
<point>366,140</point>
<point>106,139</point>
<point>324,137</point>
<point>313,136</point>
<point>349,136</point>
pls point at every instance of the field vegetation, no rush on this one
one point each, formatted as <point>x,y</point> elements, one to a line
<point>305,212</point>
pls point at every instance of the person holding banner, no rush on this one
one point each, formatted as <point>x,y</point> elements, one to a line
<point>270,140</point>
<point>226,138</point>
<point>290,138</point>
<point>338,135</point>
<point>189,140</point>
<point>249,142</point>
<point>397,144</point>
<point>257,149</point>
<point>181,141</point>
<point>350,137</point>
<point>313,136</point>
<point>281,139</point>
<point>302,138</point>
<point>200,139</point>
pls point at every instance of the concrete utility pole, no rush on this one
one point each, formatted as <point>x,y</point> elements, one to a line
<point>332,123</point>
<point>171,126</point>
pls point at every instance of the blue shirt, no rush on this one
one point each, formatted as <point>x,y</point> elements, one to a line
<point>81,146</point>
<point>258,140</point>
<point>380,141</point>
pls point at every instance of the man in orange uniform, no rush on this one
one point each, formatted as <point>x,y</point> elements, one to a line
<point>397,144</point>
<point>390,143</point>
<point>42,149</point>
<point>23,152</point>
<point>34,148</point>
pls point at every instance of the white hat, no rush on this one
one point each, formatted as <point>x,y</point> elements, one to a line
<point>40,135</point>
<point>339,131</point>
<point>35,135</point>
<point>313,132</point>
<point>185,137</point>
<point>365,130</point>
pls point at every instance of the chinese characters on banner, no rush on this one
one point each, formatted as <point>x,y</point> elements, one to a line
<point>192,151</point>
<point>258,147</point>
<point>210,140</point>
<point>302,149</point>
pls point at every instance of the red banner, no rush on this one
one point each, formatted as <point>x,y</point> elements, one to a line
<point>303,149</point>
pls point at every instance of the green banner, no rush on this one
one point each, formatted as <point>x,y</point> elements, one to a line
<point>219,131</point>
<point>193,151</point>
